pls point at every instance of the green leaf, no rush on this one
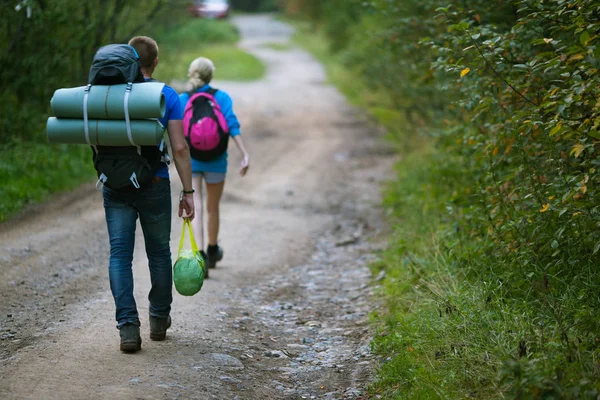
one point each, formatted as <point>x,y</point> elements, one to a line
<point>461,27</point>
<point>594,134</point>
<point>584,38</point>
<point>556,129</point>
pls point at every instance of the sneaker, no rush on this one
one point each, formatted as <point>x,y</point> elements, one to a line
<point>204,266</point>
<point>131,341</point>
<point>213,258</point>
<point>158,327</point>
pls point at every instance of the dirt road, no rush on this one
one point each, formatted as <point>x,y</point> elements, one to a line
<point>284,316</point>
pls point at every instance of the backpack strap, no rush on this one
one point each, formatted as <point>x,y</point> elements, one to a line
<point>86,93</point>
<point>164,153</point>
<point>127,120</point>
<point>165,158</point>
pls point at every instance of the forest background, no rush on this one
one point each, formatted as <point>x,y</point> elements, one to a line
<point>490,281</point>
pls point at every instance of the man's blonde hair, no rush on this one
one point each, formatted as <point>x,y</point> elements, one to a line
<point>146,48</point>
<point>200,72</point>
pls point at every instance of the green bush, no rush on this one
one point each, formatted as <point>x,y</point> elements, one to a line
<point>492,283</point>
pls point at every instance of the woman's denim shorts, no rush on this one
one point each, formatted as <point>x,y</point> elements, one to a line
<point>211,177</point>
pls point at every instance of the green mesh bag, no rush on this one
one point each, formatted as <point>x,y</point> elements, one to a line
<point>188,271</point>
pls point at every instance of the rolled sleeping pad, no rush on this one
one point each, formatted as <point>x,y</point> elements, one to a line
<point>106,102</point>
<point>104,132</point>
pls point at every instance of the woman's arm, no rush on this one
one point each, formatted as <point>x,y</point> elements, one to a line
<point>245,163</point>
<point>233,124</point>
<point>226,105</point>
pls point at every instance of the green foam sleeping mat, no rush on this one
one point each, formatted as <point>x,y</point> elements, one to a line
<point>106,102</point>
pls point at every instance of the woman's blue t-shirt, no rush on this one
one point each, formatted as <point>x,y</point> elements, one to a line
<point>219,164</point>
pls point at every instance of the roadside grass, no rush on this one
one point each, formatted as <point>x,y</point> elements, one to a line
<point>414,288</point>
<point>458,320</point>
<point>433,334</point>
<point>205,38</point>
<point>32,170</point>
<point>231,64</point>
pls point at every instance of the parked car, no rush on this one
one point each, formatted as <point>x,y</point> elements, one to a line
<point>210,9</point>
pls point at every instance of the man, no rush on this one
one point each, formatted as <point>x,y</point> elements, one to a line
<point>152,204</point>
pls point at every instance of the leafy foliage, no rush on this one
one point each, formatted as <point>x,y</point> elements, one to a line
<point>492,281</point>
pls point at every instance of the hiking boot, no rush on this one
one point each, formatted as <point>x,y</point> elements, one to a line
<point>131,341</point>
<point>204,265</point>
<point>158,327</point>
<point>213,257</point>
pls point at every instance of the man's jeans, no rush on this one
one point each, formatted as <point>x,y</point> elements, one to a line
<point>153,205</point>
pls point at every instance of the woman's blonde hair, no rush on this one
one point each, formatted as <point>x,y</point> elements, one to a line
<point>200,72</point>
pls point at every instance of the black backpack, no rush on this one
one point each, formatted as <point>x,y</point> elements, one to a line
<point>123,168</point>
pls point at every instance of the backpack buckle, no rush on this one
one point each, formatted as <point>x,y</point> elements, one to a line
<point>134,180</point>
<point>101,181</point>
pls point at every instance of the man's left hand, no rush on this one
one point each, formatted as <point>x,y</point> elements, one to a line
<point>186,207</point>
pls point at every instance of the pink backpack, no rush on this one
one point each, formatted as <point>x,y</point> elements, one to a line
<point>205,127</point>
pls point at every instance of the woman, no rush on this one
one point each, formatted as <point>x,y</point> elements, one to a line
<point>212,172</point>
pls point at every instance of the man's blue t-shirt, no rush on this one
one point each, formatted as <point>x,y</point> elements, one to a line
<point>174,111</point>
<point>220,163</point>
